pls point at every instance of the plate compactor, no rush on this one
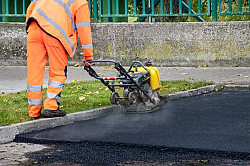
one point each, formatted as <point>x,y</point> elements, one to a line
<point>140,85</point>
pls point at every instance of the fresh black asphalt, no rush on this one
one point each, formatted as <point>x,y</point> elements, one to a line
<point>214,127</point>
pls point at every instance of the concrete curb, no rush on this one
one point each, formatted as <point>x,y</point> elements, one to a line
<point>8,133</point>
<point>205,90</point>
<point>192,92</point>
<point>237,87</point>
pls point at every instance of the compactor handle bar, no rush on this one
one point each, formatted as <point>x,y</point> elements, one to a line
<point>122,71</point>
<point>119,67</point>
<point>92,73</point>
<point>124,74</point>
<point>93,61</point>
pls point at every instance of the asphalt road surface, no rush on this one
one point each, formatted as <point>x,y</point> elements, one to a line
<point>202,130</point>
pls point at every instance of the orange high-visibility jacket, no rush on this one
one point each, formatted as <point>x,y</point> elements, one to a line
<point>64,20</point>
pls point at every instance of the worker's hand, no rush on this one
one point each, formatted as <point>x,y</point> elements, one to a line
<point>86,63</point>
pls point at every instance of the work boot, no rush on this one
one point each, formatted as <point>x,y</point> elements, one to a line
<point>53,113</point>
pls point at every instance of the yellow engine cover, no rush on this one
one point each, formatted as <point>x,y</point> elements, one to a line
<point>154,76</point>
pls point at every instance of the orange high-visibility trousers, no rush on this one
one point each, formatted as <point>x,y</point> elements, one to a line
<point>39,45</point>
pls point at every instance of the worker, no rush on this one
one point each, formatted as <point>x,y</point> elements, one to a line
<point>53,27</point>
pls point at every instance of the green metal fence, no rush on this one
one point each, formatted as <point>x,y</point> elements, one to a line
<point>13,10</point>
<point>154,8</point>
<point>234,7</point>
<point>121,10</point>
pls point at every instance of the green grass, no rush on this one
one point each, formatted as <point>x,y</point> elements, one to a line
<point>177,86</point>
<point>79,96</point>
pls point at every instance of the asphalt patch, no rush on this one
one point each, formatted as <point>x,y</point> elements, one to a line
<point>112,154</point>
<point>214,127</point>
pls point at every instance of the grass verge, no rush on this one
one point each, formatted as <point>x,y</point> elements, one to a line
<point>78,96</point>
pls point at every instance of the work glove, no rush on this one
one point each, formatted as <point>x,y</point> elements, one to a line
<point>86,62</point>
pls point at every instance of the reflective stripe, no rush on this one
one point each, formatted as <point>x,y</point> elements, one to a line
<point>70,2</point>
<point>71,19</point>
<point>57,27</point>
<point>35,101</point>
<point>86,46</point>
<point>66,8</point>
<point>67,5</point>
<point>34,88</point>
<point>53,96</point>
<point>56,84</point>
<point>82,24</point>
<point>61,3</point>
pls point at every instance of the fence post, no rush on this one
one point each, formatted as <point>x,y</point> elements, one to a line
<point>214,10</point>
<point>1,11</point>
<point>95,10</point>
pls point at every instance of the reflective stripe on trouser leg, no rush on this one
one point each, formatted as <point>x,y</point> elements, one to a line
<point>36,62</point>
<point>58,61</point>
<point>53,98</point>
<point>35,99</point>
